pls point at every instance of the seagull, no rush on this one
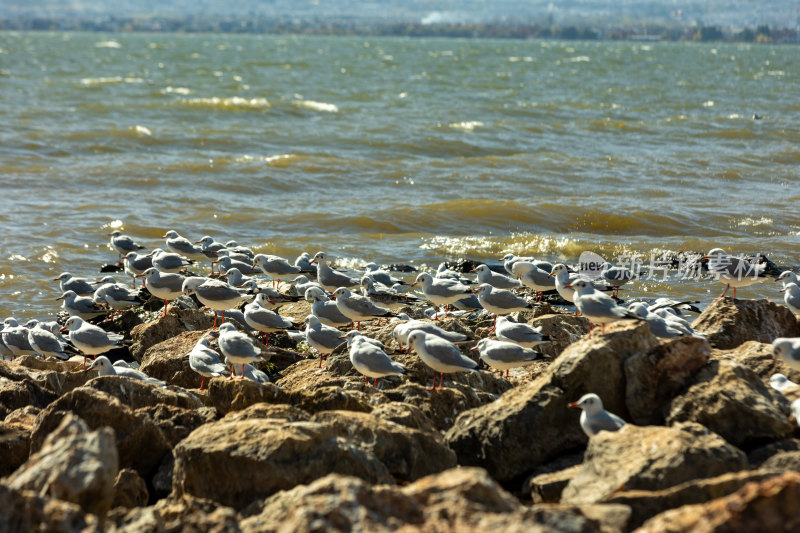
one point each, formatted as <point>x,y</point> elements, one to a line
<point>238,347</point>
<point>500,281</point>
<point>733,271</point>
<point>90,339</point>
<point>301,284</point>
<point>5,351</point>
<point>675,305</point>
<point>616,276</point>
<point>80,305</point>
<point>214,294</point>
<point>787,276</point>
<point>443,272</point>
<point>500,301</point>
<point>787,349</point>
<point>273,297</point>
<point>381,276</point>
<point>303,262</point>
<point>533,277</point>
<point>161,285</point>
<point>181,245</point>
<point>168,262</point>
<point>441,291</point>
<point>779,382</point>
<point>79,286</point>
<point>211,249</point>
<point>15,337</point>
<point>117,296</point>
<point>251,373</point>
<point>791,297</point>
<point>45,342</point>
<point>522,334</point>
<point>441,355</point>
<point>594,418</point>
<point>136,264</point>
<point>123,244</point>
<point>226,262</point>
<point>325,309</point>
<point>510,259</point>
<point>275,267</point>
<point>599,308</point>
<point>503,355</point>
<point>357,307</point>
<point>564,280</point>
<point>264,320</point>
<point>372,362</point>
<point>331,279</point>
<point>659,326</point>
<point>324,339</point>
<point>352,335</point>
<point>239,250</point>
<point>104,368</point>
<point>401,332</point>
<point>205,361</point>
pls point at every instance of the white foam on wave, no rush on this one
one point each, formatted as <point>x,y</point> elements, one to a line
<point>317,106</point>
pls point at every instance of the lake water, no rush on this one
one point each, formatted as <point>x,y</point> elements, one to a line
<point>393,150</point>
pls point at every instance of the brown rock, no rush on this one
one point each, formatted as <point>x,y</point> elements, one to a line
<point>25,416</point>
<point>728,323</point>
<point>330,398</point>
<point>783,461</point>
<point>168,360</point>
<point>187,514</point>
<point>407,453</point>
<point>461,499</point>
<point>136,393</point>
<point>24,510</point>
<point>177,321</point>
<point>547,488</point>
<point>73,465</point>
<point>228,395</point>
<point>654,377</point>
<point>177,422</point>
<point>404,414</point>
<point>645,504</point>
<point>261,456</point>
<point>768,505</point>
<point>15,445</point>
<point>16,394</point>
<point>563,329</point>
<point>760,455</point>
<point>733,402</point>
<point>531,424</point>
<point>758,357</point>
<point>649,458</point>
<point>266,410</point>
<point>139,442</point>
<point>130,490</point>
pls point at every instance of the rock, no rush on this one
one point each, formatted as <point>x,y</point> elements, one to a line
<point>24,510</point>
<point>15,445</point>
<point>139,442</point>
<point>168,360</point>
<point>25,416</point>
<point>733,402</point>
<point>760,455</point>
<point>404,414</point>
<point>177,422</point>
<point>649,458</point>
<point>531,424</point>
<point>547,488</point>
<point>73,465</point>
<point>768,505</point>
<point>758,357</point>
<point>783,461</point>
<point>162,479</point>
<point>563,329</point>
<point>136,393</point>
<point>177,321</point>
<point>190,514</point>
<point>728,323</point>
<point>16,394</point>
<point>460,499</point>
<point>261,456</point>
<point>407,453</point>
<point>645,504</point>
<point>329,399</point>
<point>654,377</point>
<point>228,395</point>
<point>130,490</point>
<point>266,410</point>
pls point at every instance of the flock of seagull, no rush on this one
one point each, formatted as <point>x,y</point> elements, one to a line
<point>334,306</point>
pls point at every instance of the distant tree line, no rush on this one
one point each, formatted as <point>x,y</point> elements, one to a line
<point>500,30</point>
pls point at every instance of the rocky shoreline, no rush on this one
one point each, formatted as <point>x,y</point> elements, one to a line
<point>708,445</point>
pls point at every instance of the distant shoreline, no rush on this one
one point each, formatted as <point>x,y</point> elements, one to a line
<point>502,30</point>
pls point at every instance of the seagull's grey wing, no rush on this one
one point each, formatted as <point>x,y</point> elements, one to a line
<point>364,306</point>
<point>604,421</point>
<point>601,305</point>
<point>238,345</point>
<point>267,318</point>
<point>427,327</point>
<point>327,337</point>
<point>94,337</point>
<point>374,359</point>
<point>329,314</point>
<point>447,353</point>
<point>506,300</point>
<point>521,332</point>
<point>507,352</point>
<point>45,341</point>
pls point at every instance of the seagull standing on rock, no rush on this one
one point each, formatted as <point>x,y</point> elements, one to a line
<point>441,291</point>
<point>104,368</point>
<point>324,339</point>
<point>123,244</point>
<point>265,320</point>
<point>594,418</point>
<point>522,334</point>
<point>357,307</point>
<point>441,355</point>
<point>80,286</point>
<point>502,355</point>
<point>599,308</point>
<point>787,349</point>
<point>331,279</point>
<point>500,301</point>
<point>238,347</point>
<point>205,361</point>
<point>163,285</point>
<point>90,339</point>
<point>499,281</point>
<point>371,361</point>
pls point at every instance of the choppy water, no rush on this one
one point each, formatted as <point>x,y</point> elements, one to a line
<point>392,150</point>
